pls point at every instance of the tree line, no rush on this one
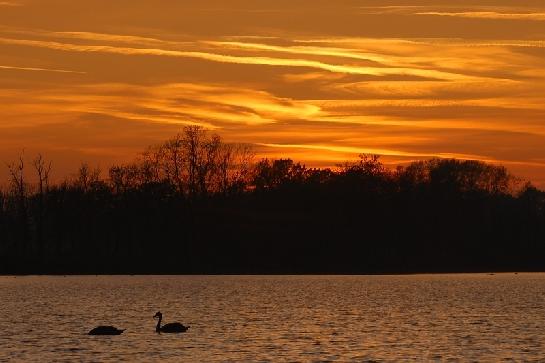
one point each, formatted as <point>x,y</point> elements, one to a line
<point>196,204</point>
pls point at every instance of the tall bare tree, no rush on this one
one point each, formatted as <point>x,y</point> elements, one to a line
<point>19,189</point>
<point>87,176</point>
<point>43,169</point>
<point>17,178</point>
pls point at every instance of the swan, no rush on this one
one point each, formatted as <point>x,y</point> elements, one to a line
<point>106,330</point>
<point>170,327</point>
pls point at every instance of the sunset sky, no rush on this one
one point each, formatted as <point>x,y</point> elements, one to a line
<point>320,81</point>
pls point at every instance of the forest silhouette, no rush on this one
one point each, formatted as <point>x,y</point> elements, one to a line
<point>198,205</point>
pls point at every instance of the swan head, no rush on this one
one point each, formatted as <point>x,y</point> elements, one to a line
<point>158,315</point>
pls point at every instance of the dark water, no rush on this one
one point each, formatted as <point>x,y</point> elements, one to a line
<point>270,318</point>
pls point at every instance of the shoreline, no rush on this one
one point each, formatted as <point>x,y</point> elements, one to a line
<point>490,273</point>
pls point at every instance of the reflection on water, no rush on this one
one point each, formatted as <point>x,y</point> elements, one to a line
<point>276,318</point>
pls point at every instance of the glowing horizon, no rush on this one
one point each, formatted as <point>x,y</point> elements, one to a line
<point>98,81</point>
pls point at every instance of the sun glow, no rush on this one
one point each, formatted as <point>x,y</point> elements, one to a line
<point>321,91</point>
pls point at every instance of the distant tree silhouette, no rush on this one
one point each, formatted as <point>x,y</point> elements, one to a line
<point>43,169</point>
<point>271,174</point>
<point>195,162</point>
<point>87,177</point>
<point>209,208</point>
<point>19,191</point>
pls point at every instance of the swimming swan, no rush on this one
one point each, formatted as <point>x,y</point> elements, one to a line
<point>106,330</point>
<point>170,327</point>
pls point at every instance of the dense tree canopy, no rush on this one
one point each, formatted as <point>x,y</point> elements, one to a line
<point>196,204</point>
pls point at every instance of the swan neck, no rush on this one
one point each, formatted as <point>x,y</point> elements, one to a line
<point>158,328</point>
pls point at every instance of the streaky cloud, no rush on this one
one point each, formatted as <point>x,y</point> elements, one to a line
<point>378,151</point>
<point>257,60</point>
<point>34,69</point>
<point>333,52</point>
<point>426,41</point>
<point>488,15</point>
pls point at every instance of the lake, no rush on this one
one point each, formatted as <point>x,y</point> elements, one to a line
<point>469,317</point>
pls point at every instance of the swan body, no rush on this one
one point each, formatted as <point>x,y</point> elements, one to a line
<point>174,328</point>
<point>106,330</point>
<point>170,327</point>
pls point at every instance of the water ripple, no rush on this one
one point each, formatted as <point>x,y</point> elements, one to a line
<point>276,318</point>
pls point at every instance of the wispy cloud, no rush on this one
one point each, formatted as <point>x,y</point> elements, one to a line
<point>323,51</point>
<point>255,60</point>
<point>211,106</point>
<point>487,15</point>
<point>374,59</point>
<point>462,11</point>
<point>39,69</point>
<point>376,151</point>
<point>443,42</point>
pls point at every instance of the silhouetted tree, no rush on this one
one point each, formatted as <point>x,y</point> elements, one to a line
<point>87,177</point>
<point>43,169</point>
<point>19,189</point>
<point>271,174</point>
<point>204,206</point>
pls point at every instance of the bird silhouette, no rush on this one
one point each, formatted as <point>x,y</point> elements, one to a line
<point>170,327</point>
<point>106,330</point>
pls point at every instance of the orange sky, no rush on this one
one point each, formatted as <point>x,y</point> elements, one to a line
<point>320,80</point>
